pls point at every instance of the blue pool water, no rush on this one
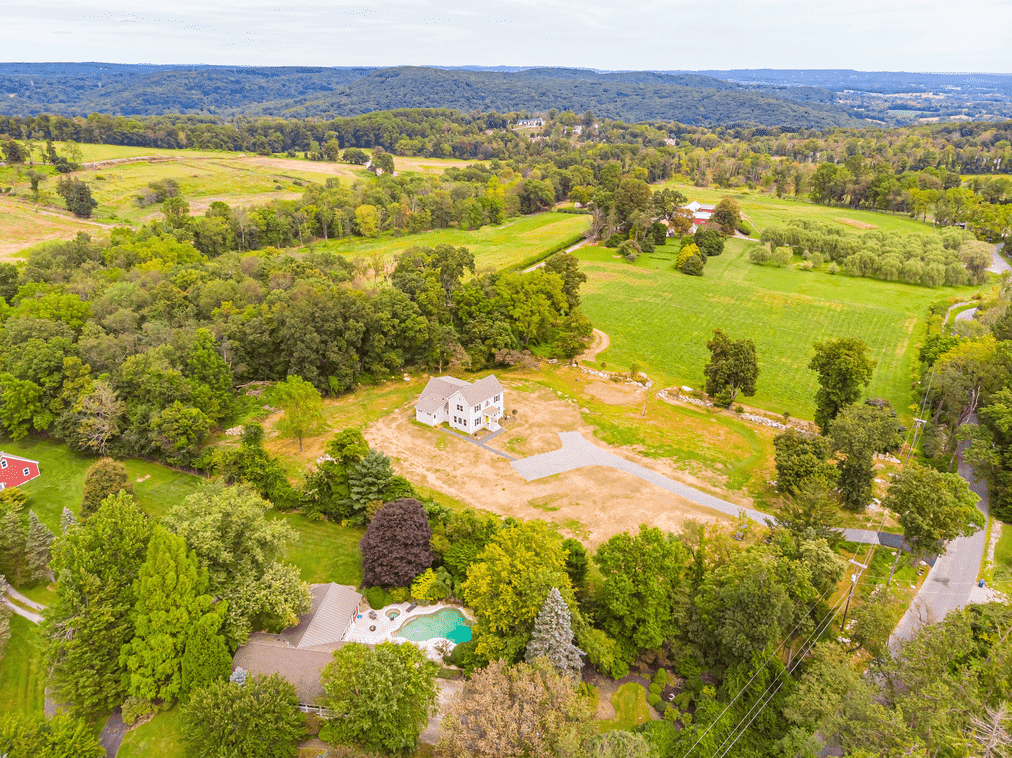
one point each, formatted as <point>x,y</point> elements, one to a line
<point>449,623</point>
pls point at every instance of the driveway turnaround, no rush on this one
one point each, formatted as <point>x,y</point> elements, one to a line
<point>577,452</point>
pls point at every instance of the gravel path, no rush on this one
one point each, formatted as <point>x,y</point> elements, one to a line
<point>577,452</point>
<point>23,613</point>
<point>998,262</point>
<point>24,600</point>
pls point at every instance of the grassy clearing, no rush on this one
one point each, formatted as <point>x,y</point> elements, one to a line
<point>324,552</point>
<point>495,246</point>
<point>22,679</point>
<point>159,738</point>
<point>631,708</point>
<point>62,480</point>
<point>763,210</point>
<point>662,320</point>
<point>22,226</point>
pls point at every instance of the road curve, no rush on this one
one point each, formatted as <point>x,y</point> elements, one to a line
<point>577,452</point>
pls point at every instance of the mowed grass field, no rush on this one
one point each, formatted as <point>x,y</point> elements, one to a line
<point>499,247</point>
<point>764,209</point>
<point>23,225</point>
<point>662,319</point>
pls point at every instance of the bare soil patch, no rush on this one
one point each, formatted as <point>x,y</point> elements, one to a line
<point>592,503</point>
<point>855,224</point>
<point>614,393</point>
<point>599,343</point>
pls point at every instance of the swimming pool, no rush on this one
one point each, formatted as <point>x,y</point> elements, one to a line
<point>449,623</point>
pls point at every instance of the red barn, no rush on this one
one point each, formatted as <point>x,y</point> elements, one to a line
<point>15,470</point>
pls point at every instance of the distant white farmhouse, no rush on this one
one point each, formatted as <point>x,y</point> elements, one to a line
<point>463,405</point>
<point>531,122</point>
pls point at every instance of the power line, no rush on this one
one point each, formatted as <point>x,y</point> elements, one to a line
<point>820,627</point>
<point>749,682</point>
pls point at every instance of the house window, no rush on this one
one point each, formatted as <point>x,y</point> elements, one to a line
<point>477,408</point>
<point>26,471</point>
<point>497,398</point>
<point>3,463</point>
<point>477,421</point>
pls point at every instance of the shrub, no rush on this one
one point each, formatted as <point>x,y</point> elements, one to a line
<point>687,719</point>
<point>135,708</point>
<point>629,250</point>
<point>782,256</point>
<point>655,689</point>
<point>661,678</point>
<point>313,723</point>
<point>671,713</point>
<point>654,700</point>
<point>105,477</point>
<point>463,656</point>
<point>400,594</point>
<point>615,240</point>
<point>378,597</point>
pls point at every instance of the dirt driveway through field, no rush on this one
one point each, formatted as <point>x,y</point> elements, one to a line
<point>592,503</point>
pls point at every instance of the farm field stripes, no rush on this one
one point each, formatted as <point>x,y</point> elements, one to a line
<point>496,246</point>
<point>662,319</point>
<point>763,209</point>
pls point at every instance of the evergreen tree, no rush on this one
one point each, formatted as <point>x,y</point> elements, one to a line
<point>87,625</point>
<point>38,546</point>
<point>171,599</point>
<point>372,480</point>
<point>67,519</point>
<point>552,637</point>
<point>105,477</point>
<point>13,562</point>
<point>206,658</point>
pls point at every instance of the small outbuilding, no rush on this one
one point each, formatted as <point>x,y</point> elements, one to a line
<point>15,470</point>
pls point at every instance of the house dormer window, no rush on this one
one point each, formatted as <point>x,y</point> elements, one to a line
<point>26,471</point>
<point>3,463</point>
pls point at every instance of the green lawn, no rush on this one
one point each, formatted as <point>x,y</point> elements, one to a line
<point>324,552</point>
<point>662,319</point>
<point>631,708</point>
<point>159,738</point>
<point>62,480</point>
<point>22,680</point>
<point>1003,559</point>
<point>765,209</point>
<point>516,241</point>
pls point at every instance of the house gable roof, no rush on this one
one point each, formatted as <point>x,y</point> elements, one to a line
<point>439,389</point>
<point>300,667</point>
<point>11,457</point>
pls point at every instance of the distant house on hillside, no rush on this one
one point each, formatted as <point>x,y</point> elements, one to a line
<point>701,215</point>
<point>463,405</point>
<point>15,470</point>
<point>300,652</point>
<point>531,122</point>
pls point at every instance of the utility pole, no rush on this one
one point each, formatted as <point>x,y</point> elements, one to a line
<point>899,552</point>
<point>853,586</point>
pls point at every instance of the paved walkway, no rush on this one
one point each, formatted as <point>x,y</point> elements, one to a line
<point>481,443</point>
<point>24,613</point>
<point>998,262</point>
<point>577,452</point>
<point>24,600</point>
<point>112,733</point>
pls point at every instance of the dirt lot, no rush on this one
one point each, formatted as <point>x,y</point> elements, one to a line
<point>592,503</point>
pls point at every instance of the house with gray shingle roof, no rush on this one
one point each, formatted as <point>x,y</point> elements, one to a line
<point>300,652</point>
<point>465,406</point>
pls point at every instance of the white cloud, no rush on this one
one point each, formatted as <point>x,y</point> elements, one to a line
<point>912,35</point>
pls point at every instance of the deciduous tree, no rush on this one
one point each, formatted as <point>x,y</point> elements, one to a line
<point>395,548</point>
<point>259,718</point>
<point>521,710</point>
<point>104,477</point>
<point>733,368</point>
<point>933,508</point>
<point>857,434</point>
<point>302,406</point>
<point>385,695</point>
<point>242,551</point>
<point>843,367</point>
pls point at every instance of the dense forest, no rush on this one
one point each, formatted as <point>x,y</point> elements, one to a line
<point>81,89</point>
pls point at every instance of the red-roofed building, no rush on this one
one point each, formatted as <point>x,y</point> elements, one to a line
<point>15,470</point>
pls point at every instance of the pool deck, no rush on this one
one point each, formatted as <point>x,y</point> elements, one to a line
<point>359,630</point>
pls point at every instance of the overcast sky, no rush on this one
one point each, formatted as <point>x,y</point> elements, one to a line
<point>870,35</point>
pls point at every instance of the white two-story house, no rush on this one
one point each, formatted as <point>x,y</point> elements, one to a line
<point>463,405</point>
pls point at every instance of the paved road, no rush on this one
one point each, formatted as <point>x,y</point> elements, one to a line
<point>112,733</point>
<point>998,263</point>
<point>577,452</point>
<point>952,578</point>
